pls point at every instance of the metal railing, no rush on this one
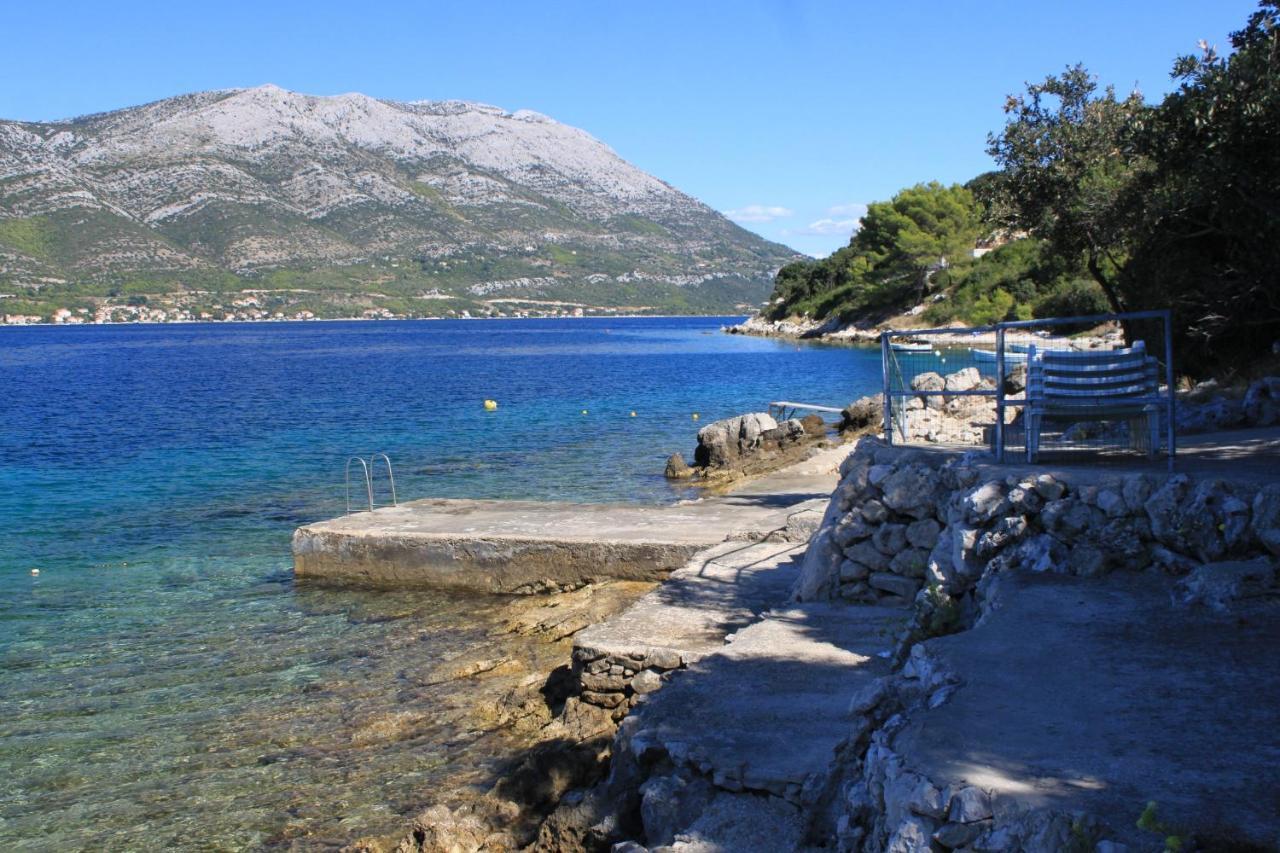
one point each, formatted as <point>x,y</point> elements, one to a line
<point>928,374</point>
<point>367,467</point>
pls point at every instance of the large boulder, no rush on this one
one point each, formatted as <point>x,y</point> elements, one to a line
<point>1015,381</point>
<point>677,468</point>
<point>967,379</point>
<point>1266,517</point>
<point>929,382</point>
<point>722,443</point>
<point>866,414</point>
<point>1262,402</point>
<point>911,490</point>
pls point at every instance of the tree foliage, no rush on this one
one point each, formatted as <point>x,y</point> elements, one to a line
<point>1208,239</point>
<point>902,248</point>
<point>1175,204</point>
<point>1067,156</point>
<point>1172,205</point>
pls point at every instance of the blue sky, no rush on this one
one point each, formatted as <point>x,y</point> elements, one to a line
<point>788,115</point>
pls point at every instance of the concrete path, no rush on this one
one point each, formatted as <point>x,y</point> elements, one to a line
<point>766,713</point>
<point>510,546</point>
<point>722,589</point>
<point>1103,695</point>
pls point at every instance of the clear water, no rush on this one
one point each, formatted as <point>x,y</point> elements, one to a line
<point>163,682</point>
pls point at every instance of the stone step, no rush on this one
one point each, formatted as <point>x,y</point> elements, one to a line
<point>766,712</point>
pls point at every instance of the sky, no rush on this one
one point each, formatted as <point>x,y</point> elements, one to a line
<point>788,116</point>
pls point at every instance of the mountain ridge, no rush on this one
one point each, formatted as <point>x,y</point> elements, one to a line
<point>348,195</point>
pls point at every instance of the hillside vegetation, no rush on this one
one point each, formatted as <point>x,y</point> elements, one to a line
<point>1099,203</point>
<point>342,205</point>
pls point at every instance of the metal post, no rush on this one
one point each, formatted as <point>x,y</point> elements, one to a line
<point>999,393</point>
<point>368,483</point>
<point>391,477</point>
<point>884,375</point>
<point>1168,374</point>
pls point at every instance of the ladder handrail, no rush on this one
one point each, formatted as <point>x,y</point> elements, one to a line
<point>391,477</point>
<point>368,482</point>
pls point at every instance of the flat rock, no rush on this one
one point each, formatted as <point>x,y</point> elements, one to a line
<point>1103,695</point>
<point>767,711</point>
<point>720,590</point>
<point>508,546</point>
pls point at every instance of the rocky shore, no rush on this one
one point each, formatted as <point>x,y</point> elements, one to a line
<point>955,656</point>
<point>748,445</point>
<point>867,332</point>
<point>1003,570</point>
<point>556,709</point>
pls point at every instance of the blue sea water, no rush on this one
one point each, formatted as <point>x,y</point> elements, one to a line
<point>163,682</point>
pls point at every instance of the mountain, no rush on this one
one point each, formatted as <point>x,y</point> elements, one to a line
<point>345,205</point>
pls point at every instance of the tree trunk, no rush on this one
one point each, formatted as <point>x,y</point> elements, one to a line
<point>1113,296</point>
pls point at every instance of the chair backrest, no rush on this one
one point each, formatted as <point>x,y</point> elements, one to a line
<point>1101,374</point>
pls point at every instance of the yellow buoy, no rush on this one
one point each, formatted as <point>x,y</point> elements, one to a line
<point>490,405</point>
<point>633,414</point>
<point>695,416</point>
<point>584,411</point>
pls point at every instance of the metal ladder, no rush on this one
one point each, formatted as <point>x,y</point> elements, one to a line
<point>367,469</point>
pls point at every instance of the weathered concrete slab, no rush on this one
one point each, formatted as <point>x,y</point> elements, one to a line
<point>720,590</point>
<point>766,713</point>
<point>1103,695</point>
<point>508,546</point>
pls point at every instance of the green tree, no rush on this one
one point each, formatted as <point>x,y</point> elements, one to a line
<point>1209,239</point>
<point>897,255</point>
<point>918,233</point>
<point>1067,155</point>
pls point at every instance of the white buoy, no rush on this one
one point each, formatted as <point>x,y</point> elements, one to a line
<point>35,573</point>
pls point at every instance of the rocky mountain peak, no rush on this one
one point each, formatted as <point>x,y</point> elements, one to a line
<point>261,181</point>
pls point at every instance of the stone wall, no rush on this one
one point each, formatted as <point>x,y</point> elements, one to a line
<point>937,531</point>
<point>616,681</point>
<point>903,520</point>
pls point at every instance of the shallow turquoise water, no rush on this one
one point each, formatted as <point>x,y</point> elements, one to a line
<point>163,682</point>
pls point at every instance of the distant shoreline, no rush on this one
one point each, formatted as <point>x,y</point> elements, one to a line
<point>278,321</point>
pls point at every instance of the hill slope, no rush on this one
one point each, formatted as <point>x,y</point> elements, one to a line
<point>345,203</point>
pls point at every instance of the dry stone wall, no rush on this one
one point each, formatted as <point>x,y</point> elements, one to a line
<point>615,681</point>
<point>902,522</point>
<point>936,531</point>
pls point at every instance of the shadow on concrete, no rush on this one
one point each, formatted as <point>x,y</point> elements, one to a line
<point>741,579</point>
<point>1103,695</point>
<point>778,501</point>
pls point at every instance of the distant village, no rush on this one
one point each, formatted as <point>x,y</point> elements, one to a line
<point>249,309</point>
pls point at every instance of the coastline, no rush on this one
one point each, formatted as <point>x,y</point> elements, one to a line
<point>208,542</point>
<point>560,731</point>
<point>835,331</point>
<point>875,754</point>
<point>44,324</point>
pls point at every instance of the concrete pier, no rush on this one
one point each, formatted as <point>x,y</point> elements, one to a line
<point>519,546</point>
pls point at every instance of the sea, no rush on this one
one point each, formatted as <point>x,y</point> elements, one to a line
<point>164,682</point>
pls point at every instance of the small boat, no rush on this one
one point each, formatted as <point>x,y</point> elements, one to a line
<point>986,356</point>
<point>909,345</point>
